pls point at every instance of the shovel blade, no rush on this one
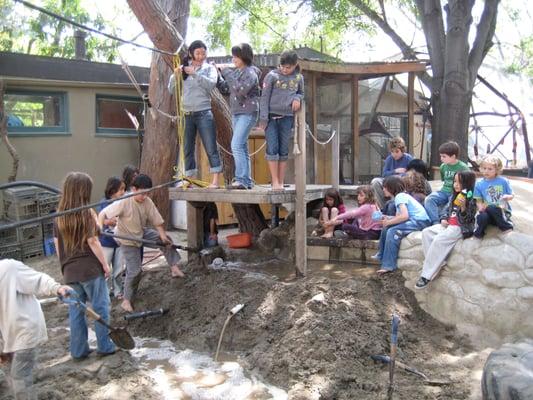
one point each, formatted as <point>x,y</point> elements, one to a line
<point>122,338</point>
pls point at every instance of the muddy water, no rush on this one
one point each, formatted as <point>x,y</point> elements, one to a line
<point>285,272</point>
<point>190,375</point>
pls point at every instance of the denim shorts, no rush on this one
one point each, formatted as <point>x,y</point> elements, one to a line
<point>278,135</point>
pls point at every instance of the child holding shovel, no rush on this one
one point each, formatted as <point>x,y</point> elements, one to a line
<point>133,215</point>
<point>83,264</point>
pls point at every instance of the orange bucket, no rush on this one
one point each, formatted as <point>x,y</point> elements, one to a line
<point>240,240</point>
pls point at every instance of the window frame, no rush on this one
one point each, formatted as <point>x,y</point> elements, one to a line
<point>61,130</point>
<point>114,132</point>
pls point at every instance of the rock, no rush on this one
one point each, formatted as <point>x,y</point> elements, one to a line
<point>525,292</point>
<point>508,373</point>
<point>502,279</point>
<point>266,241</point>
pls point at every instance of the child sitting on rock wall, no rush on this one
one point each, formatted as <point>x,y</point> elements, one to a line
<point>458,222</point>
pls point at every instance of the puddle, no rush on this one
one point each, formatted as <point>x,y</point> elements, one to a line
<point>190,375</point>
<point>285,272</point>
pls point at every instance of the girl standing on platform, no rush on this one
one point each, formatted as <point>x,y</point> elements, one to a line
<point>363,226</point>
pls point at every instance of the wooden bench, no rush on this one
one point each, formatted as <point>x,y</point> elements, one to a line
<point>337,249</point>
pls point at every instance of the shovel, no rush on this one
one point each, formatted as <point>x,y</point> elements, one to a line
<point>149,242</point>
<point>120,336</point>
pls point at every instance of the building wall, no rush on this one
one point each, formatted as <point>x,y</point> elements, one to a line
<point>48,158</point>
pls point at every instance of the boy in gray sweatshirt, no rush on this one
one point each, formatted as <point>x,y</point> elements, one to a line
<point>283,92</point>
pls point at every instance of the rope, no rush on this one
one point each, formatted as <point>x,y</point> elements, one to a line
<point>250,155</point>
<point>77,209</point>
<point>316,139</point>
<point>295,147</point>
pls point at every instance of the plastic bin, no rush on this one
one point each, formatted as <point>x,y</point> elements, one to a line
<point>239,240</point>
<point>49,247</point>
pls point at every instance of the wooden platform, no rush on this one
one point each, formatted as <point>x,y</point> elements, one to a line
<point>260,194</point>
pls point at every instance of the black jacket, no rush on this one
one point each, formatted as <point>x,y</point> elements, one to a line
<point>467,219</point>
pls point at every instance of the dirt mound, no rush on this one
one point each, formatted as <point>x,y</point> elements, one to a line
<point>313,347</point>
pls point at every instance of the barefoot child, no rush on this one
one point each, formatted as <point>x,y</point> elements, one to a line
<point>493,194</point>
<point>134,214</point>
<point>457,223</point>
<point>333,206</point>
<point>363,226</point>
<point>282,96</point>
<point>83,264</point>
<point>410,216</point>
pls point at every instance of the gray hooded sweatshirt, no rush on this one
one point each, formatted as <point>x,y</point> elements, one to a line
<point>279,91</point>
<point>244,89</point>
<point>197,88</point>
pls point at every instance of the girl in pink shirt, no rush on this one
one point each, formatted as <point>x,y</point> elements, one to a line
<point>363,226</point>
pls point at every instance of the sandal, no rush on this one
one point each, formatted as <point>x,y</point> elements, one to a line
<point>213,186</point>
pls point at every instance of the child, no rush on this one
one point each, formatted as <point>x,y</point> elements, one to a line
<point>283,93</point>
<point>199,80</point>
<point>243,82</point>
<point>128,175</point>
<point>458,222</point>
<point>415,185</point>
<point>83,264</point>
<point>363,226</point>
<point>395,164</point>
<point>333,206</point>
<point>421,167</point>
<point>133,215</point>
<point>492,194</point>
<point>115,189</point>
<point>449,155</point>
<point>210,225</point>
<point>22,325</point>
<point>410,216</point>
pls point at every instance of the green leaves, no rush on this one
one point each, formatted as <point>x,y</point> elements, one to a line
<point>44,35</point>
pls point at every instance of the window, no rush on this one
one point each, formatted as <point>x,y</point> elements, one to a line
<point>118,115</point>
<point>36,112</point>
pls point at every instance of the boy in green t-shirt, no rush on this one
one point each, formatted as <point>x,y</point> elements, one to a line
<point>435,202</point>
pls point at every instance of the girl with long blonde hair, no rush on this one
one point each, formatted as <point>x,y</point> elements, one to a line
<point>83,264</point>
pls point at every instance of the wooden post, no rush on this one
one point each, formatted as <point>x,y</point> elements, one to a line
<point>300,178</point>
<point>335,156</point>
<point>410,112</point>
<point>355,127</point>
<point>314,122</point>
<point>195,228</point>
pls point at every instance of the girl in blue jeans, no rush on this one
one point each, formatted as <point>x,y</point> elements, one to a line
<point>243,83</point>
<point>410,216</point>
<point>83,265</point>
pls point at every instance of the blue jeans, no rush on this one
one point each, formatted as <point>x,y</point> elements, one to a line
<point>278,134</point>
<point>203,122</point>
<point>434,204</point>
<point>94,291</point>
<point>390,239</point>
<point>242,124</point>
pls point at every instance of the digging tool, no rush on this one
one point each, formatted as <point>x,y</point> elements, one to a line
<point>120,336</point>
<point>393,347</point>
<point>158,243</point>
<point>386,360</point>
<point>144,314</point>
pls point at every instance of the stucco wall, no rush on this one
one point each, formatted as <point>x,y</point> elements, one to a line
<point>48,158</point>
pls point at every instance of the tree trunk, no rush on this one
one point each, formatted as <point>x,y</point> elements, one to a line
<point>159,150</point>
<point>160,139</point>
<point>3,133</point>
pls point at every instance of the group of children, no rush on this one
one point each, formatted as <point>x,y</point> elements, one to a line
<point>462,208</point>
<point>273,107</point>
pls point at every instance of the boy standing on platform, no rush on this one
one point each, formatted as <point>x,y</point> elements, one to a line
<point>435,202</point>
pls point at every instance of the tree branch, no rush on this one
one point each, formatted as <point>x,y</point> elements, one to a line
<point>430,13</point>
<point>484,35</point>
<point>407,51</point>
<point>3,133</point>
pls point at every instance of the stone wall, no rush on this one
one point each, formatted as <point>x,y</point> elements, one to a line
<point>486,288</point>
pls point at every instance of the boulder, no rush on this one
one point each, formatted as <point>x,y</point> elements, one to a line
<point>508,373</point>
